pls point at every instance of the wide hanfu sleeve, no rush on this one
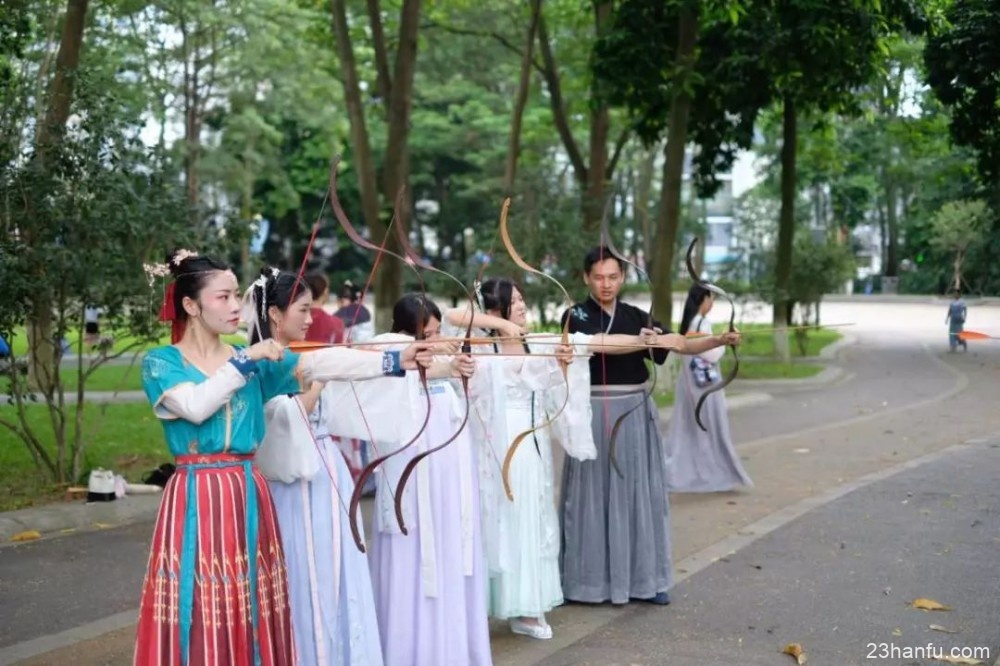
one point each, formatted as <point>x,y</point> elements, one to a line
<point>175,395</point>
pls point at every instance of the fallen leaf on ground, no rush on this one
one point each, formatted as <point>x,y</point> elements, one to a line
<point>928,605</point>
<point>27,535</point>
<point>938,627</point>
<point>897,632</point>
<point>102,526</point>
<point>795,650</point>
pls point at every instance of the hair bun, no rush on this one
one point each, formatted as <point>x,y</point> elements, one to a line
<point>179,261</point>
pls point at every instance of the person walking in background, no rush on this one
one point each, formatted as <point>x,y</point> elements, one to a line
<point>92,325</point>
<point>956,322</point>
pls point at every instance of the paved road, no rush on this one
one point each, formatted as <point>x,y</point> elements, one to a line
<point>900,397</point>
<point>838,581</point>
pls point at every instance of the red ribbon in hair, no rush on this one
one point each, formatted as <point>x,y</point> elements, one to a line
<point>169,313</point>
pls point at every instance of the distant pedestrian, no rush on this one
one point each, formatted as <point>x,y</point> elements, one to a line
<point>956,322</point>
<point>354,314</point>
<point>92,324</point>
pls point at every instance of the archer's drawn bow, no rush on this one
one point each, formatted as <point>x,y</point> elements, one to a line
<point>359,240</point>
<point>418,261</point>
<point>522,264</point>
<point>732,329</point>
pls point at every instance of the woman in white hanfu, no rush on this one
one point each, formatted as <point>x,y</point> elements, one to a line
<point>520,389</point>
<point>430,584</point>
<point>329,586</point>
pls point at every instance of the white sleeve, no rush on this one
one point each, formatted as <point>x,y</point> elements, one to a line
<point>541,373</point>
<point>197,402</point>
<point>288,451</point>
<point>573,429</point>
<point>370,410</point>
<point>712,355</point>
<point>340,363</point>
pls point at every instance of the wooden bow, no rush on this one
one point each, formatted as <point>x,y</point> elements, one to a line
<point>732,329</point>
<point>418,261</point>
<point>523,265</point>
<point>359,240</point>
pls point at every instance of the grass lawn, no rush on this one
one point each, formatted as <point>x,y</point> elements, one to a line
<point>105,378</point>
<point>19,343</point>
<point>664,395</point>
<point>763,345</point>
<point>118,376</point>
<point>126,438</point>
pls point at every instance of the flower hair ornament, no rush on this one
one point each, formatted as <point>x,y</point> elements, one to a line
<point>254,309</point>
<point>478,287</point>
<point>152,272</point>
<point>181,255</point>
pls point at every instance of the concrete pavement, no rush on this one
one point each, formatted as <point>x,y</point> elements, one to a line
<point>839,581</point>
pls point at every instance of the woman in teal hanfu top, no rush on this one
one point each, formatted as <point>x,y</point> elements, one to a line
<point>215,590</point>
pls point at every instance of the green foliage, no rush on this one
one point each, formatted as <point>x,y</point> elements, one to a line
<point>818,268</point>
<point>78,226</point>
<point>127,438</point>
<point>959,225</point>
<point>962,62</point>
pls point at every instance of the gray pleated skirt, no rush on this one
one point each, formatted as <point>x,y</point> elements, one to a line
<point>616,529</point>
<point>700,461</point>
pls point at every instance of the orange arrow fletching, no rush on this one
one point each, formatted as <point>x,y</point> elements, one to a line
<point>974,335</point>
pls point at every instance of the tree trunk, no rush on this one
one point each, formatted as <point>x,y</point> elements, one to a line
<point>644,186</point>
<point>364,162</point>
<point>246,211</point>
<point>521,101</point>
<point>43,352</point>
<point>383,87</point>
<point>668,217</point>
<point>396,165</point>
<point>892,227</point>
<point>560,118</point>
<point>883,235</point>
<point>786,230</point>
<point>600,125</point>
<point>64,81</point>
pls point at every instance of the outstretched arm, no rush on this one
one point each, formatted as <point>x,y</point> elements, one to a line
<point>690,346</point>
<point>459,318</point>
<point>619,343</point>
<point>350,364</point>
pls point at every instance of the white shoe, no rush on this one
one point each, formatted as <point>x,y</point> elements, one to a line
<point>541,631</point>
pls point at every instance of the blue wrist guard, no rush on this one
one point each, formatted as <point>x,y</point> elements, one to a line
<point>246,365</point>
<point>391,365</point>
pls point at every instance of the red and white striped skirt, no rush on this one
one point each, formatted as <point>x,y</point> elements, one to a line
<point>204,601</point>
